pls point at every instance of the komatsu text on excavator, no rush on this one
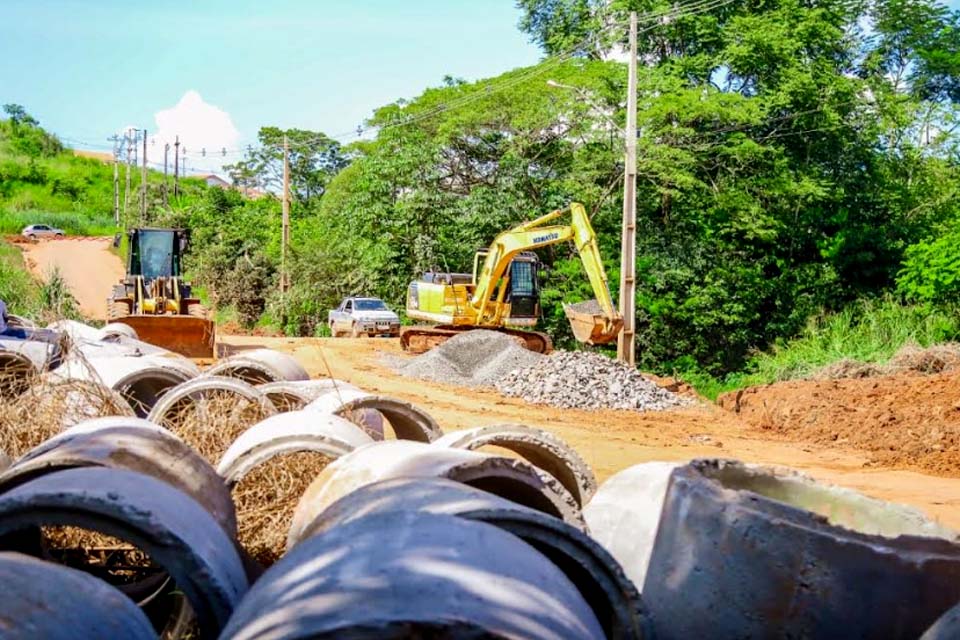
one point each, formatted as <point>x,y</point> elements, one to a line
<point>503,292</point>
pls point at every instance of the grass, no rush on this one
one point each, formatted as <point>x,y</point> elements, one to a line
<point>17,288</point>
<point>869,331</point>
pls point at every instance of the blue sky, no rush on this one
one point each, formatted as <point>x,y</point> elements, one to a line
<point>89,68</point>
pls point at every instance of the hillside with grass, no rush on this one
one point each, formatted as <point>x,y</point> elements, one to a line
<point>43,182</point>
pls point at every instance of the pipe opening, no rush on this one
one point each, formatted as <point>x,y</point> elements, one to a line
<point>143,389</point>
<point>840,507</point>
<point>515,490</point>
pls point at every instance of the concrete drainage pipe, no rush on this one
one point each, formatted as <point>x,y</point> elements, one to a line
<point>260,366</point>
<point>539,448</point>
<point>287,433</point>
<point>140,380</point>
<point>16,373</point>
<point>166,524</point>
<point>746,552</point>
<point>408,421</point>
<point>947,626</point>
<point>596,575</point>
<point>400,575</point>
<point>293,395</point>
<point>624,514</point>
<point>156,453</point>
<point>514,480</point>
<point>194,392</point>
<point>44,600</point>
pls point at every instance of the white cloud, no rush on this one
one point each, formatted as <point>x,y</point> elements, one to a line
<point>199,125</point>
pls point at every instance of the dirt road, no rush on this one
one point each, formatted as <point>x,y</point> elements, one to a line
<point>88,265</point>
<point>613,440</point>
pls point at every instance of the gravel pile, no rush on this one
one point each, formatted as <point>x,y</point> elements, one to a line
<point>473,358</point>
<point>585,380</point>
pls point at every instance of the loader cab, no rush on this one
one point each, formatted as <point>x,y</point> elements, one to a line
<point>155,253</point>
<point>523,287</point>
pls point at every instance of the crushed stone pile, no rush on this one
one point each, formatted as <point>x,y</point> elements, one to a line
<point>473,358</point>
<point>585,380</point>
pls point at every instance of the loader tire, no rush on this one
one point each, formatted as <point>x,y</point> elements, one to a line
<point>197,311</point>
<point>117,310</point>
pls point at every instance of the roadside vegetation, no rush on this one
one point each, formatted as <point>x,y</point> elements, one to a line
<point>797,193</point>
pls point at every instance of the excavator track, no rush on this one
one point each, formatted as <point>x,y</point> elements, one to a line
<point>421,338</point>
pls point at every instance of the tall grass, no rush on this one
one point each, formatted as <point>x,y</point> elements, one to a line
<point>73,224</point>
<point>17,288</point>
<point>869,331</point>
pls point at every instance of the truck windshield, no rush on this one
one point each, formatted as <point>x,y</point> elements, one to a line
<point>156,254</point>
<point>369,305</point>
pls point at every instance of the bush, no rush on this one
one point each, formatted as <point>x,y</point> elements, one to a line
<point>931,270</point>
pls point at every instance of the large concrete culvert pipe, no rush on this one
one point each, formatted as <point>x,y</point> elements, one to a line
<point>195,392</point>
<point>260,366</point>
<point>293,395</point>
<point>752,552</point>
<point>45,600</point>
<point>17,371</point>
<point>591,569</point>
<point>511,479</point>
<point>135,445</point>
<point>142,381</point>
<point>539,448</point>
<point>408,421</point>
<point>175,531</point>
<point>287,433</point>
<point>401,575</point>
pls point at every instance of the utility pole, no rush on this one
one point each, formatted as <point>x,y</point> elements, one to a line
<point>143,183</point>
<point>176,168</point>
<point>626,342</point>
<point>166,183</point>
<point>126,189</point>
<point>116,179</point>
<point>285,232</point>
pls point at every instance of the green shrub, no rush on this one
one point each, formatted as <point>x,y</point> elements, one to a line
<point>12,222</point>
<point>931,270</point>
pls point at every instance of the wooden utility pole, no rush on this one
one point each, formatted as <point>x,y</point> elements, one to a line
<point>143,182</point>
<point>176,168</point>
<point>285,233</point>
<point>626,342</point>
<point>116,179</point>
<point>166,183</point>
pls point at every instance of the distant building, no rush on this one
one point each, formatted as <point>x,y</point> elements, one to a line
<point>213,180</point>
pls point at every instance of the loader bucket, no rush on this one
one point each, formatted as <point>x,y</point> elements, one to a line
<point>186,335</point>
<point>590,325</point>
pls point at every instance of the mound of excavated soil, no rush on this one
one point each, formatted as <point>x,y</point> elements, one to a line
<point>905,419</point>
<point>939,358</point>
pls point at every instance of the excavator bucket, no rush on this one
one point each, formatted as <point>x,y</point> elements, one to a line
<point>590,325</point>
<point>187,335</point>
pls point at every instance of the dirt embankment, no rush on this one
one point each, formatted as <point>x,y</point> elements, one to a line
<point>88,265</point>
<point>907,420</point>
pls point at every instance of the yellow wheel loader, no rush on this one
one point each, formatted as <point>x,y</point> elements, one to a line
<point>154,299</point>
<point>503,292</point>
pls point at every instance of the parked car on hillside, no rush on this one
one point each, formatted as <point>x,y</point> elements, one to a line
<point>358,316</point>
<point>37,231</point>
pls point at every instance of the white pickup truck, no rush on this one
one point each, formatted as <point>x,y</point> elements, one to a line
<point>363,317</point>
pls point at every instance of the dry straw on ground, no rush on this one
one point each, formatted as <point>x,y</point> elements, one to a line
<point>266,498</point>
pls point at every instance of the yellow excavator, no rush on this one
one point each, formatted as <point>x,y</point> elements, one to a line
<point>503,293</point>
<point>154,299</point>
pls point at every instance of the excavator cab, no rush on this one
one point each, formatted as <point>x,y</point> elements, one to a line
<point>522,282</point>
<point>154,299</point>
